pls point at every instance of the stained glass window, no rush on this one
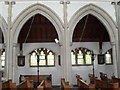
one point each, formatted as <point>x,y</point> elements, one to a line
<point>44,56</point>
<point>81,56</point>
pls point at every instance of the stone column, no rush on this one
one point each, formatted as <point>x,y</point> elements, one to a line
<point>14,61</point>
<point>65,48</point>
<point>9,42</point>
<point>117,12</point>
<point>114,53</point>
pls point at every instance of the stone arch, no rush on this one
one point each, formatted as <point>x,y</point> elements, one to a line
<point>32,10</point>
<point>100,14</point>
<point>3,26</point>
<point>105,19</point>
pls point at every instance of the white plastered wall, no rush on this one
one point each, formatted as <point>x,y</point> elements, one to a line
<point>55,71</point>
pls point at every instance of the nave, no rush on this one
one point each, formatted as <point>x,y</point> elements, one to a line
<point>66,45</point>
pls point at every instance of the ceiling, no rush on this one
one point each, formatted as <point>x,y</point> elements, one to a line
<point>94,30</point>
<point>42,30</point>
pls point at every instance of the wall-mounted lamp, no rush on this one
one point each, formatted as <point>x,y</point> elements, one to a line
<point>56,40</point>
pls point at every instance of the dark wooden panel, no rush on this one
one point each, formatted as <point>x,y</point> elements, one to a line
<point>94,31</point>
<point>42,30</point>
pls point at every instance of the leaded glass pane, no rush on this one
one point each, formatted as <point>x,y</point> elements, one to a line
<point>33,59</point>
<point>42,62</point>
<point>80,57</point>
<point>50,59</point>
<point>88,59</point>
<point>73,58</point>
<point>42,55</point>
<point>108,58</point>
<point>80,61</point>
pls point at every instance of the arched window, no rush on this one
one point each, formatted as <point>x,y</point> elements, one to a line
<point>108,57</point>
<point>46,57</point>
<point>81,56</point>
<point>3,59</point>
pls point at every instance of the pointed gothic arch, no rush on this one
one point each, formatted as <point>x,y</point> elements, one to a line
<point>100,14</point>
<point>31,11</point>
<point>105,19</point>
<point>3,26</point>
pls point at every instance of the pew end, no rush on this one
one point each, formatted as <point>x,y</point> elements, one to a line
<point>65,85</point>
<point>106,85</point>
<point>34,78</point>
<point>115,80</point>
<point>8,85</point>
<point>25,85</point>
<point>92,78</point>
<point>83,84</point>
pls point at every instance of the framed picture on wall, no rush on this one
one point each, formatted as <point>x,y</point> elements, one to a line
<point>21,60</point>
<point>101,58</point>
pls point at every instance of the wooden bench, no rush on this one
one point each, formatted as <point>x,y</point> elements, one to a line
<point>41,86</point>
<point>82,83</point>
<point>115,80</point>
<point>104,77</point>
<point>34,79</point>
<point>65,85</point>
<point>26,85</point>
<point>106,85</point>
<point>8,85</point>
<point>92,78</point>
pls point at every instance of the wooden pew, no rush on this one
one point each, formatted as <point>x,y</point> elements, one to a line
<point>41,86</point>
<point>106,85</point>
<point>65,85</point>
<point>115,80</point>
<point>25,85</point>
<point>92,78</point>
<point>82,84</point>
<point>8,85</point>
<point>34,78</point>
<point>104,77</point>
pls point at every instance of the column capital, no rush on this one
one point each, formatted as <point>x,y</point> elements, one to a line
<point>60,43</point>
<point>64,2</point>
<point>115,3</point>
<point>4,45</point>
<point>71,43</point>
<point>15,44</point>
<point>112,43</point>
<point>10,2</point>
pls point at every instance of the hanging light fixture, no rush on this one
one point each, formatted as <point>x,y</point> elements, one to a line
<point>21,57</point>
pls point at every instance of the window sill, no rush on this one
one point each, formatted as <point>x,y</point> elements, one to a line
<point>83,65</point>
<point>44,66</point>
<point>109,64</point>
